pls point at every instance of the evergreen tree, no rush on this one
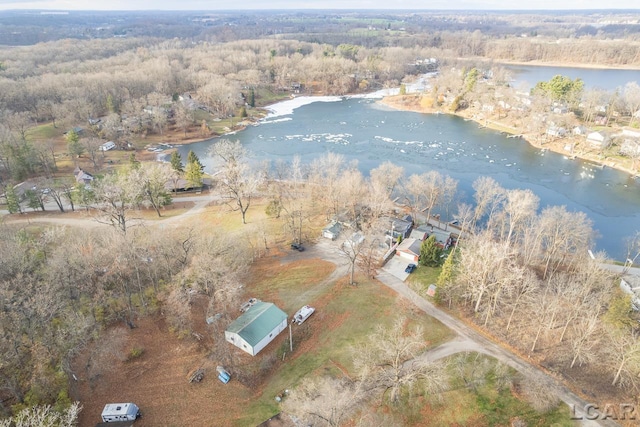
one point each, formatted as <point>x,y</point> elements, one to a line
<point>430,252</point>
<point>193,174</point>
<point>73,144</point>
<point>403,89</point>
<point>243,112</point>
<point>444,279</point>
<point>133,162</point>
<point>252,99</point>
<point>176,162</point>
<point>193,158</point>
<point>13,203</point>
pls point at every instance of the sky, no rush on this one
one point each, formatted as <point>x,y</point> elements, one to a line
<point>317,4</point>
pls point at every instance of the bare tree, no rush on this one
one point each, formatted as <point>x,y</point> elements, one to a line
<point>323,176</point>
<point>489,197</point>
<point>45,416</point>
<point>116,195</point>
<point>154,178</point>
<point>631,95</point>
<point>624,356</point>
<point>519,209</point>
<point>92,148</point>
<point>236,181</point>
<point>585,339</point>
<point>564,237</point>
<point>390,362</point>
<point>325,401</point>
<point>352,247</point>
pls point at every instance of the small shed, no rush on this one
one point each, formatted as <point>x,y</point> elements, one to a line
<point>257,327</point>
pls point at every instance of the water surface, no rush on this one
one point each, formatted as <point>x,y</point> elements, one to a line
<point>365,131</point>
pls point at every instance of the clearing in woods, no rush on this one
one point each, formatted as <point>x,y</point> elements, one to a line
<point>157,382</point>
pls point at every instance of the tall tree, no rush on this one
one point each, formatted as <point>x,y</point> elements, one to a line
<point>116,195</point>
<point>176,162</point>
<point>74,147</point>
<point>430,252</point>
<point>237,182</point>
<point>389,362</point>
<point>193,158</point>
<point>194,170</point>
<point>13,201</point>
<point>154,177</point>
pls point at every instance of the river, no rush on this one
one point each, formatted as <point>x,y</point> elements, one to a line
<point>361,129</point>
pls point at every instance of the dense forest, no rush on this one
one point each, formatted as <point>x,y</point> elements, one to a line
<point>519,272</point>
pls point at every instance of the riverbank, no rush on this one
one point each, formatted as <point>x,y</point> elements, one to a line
<point>571,146</point>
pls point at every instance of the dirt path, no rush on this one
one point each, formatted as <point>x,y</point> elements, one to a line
<point>327,251</point>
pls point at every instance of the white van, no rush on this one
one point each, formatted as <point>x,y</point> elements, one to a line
<point>108,146</point>
<point>114,412</point>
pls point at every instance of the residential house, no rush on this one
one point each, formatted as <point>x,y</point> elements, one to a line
<point>631,132</point>
<point>409,249</point>
<point>332,231</point>
<point>77,130</point>
<point>419,234</point>
<point>356,239</point>
<point>400,227</point>
<point>580,130</point>
<point>597,140</point>
<point>556,131</point>
<point>82,177</point>
<point>256,327</point>
<point>560,109</point>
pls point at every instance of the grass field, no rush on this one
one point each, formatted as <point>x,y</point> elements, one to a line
<point>345,317</point>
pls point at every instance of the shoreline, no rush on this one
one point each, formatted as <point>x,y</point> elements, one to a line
<point>399,102</point>
<point>411,103</point>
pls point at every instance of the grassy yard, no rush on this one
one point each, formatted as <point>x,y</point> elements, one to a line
<point>345,316</point>
<point>490,396</point>
<point>422,277</point>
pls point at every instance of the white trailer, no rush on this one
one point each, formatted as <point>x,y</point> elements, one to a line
<point>303,314</point>
<point>114,412</point>
<point>108,146</point>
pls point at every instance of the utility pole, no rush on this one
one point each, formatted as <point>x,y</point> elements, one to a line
<point>290,338</point>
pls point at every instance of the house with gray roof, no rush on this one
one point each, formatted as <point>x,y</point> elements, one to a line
<point>257,327</point>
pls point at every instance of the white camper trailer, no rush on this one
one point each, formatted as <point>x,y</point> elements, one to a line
<point>114,412</point>
<point>108,146</point>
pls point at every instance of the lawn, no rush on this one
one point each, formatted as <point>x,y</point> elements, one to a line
<point>345,316</point>
<point>422,277</point>
<point>489,396</point>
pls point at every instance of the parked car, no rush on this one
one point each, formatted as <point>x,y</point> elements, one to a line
<point>297,246</point>
<point>410,268</point>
